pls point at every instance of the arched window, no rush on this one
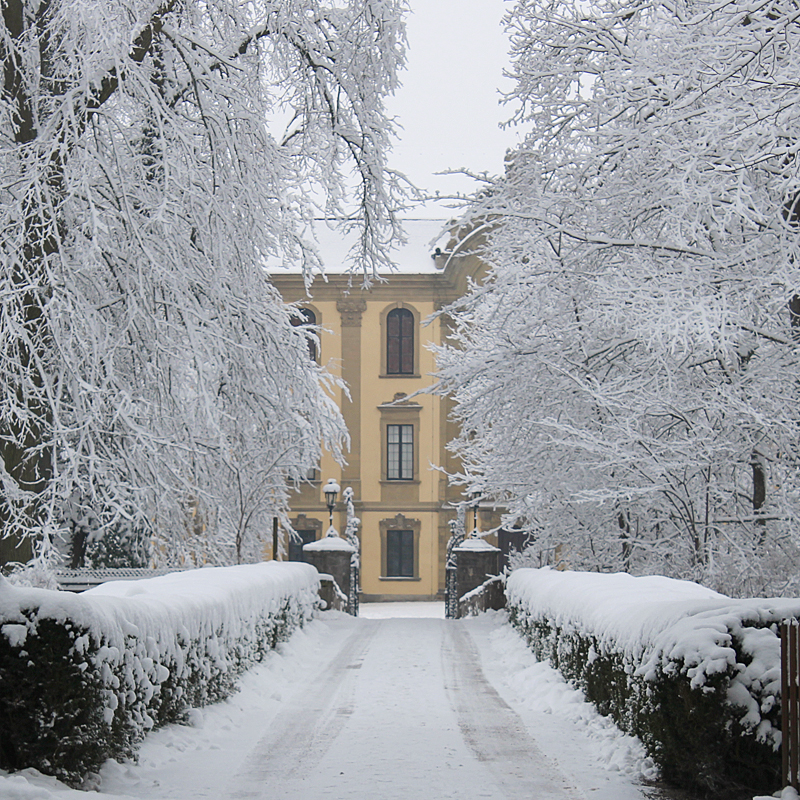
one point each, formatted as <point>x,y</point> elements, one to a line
<point>307,317</point>
<point>400,342</point>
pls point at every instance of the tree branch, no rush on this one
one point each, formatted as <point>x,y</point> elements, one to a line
<point>142,45</point>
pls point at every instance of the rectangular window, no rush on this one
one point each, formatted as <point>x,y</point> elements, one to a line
<point>400,452</point>
<point>399,554</point>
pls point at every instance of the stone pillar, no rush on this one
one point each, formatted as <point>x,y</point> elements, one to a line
<point>476,561</point>
<point>331,556</point>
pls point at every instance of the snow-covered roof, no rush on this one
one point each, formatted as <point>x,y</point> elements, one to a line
<point>412,258</point>
<point>330,543</point>
<point>475,545</point>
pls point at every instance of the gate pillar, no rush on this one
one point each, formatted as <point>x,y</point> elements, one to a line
<point>476,561</point>
<point>331,556</point>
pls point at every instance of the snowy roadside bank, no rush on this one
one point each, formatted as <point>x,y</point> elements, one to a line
<point>86,676</point>
<point>604,762</point>
<point>196,760</point>
<point>184,762</point>
<point>693,673</point>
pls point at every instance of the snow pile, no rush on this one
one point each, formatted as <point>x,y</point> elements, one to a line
<point>787,793</point>
<point>330,542</point>
<point>686,669</point>
<point>474,545</point>
<point>540,693</point>
<point>84,677</point>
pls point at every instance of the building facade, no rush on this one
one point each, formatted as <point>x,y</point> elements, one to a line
<point>377,341</point>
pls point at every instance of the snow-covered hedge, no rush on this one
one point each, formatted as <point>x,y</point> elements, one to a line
<point>694,674</point>
<point>84,677</point>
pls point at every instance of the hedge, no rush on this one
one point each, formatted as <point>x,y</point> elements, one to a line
<point>694,674</point>
<point>83,677</point>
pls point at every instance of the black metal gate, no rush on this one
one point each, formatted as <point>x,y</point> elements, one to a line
<point>790,702</point>
<point>458,532</point>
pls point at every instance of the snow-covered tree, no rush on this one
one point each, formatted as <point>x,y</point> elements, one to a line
<point>351,537</point>
<point>628,385</point>
<point>154,158</point>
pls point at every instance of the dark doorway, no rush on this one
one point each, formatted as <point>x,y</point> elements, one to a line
<point>296,548</point>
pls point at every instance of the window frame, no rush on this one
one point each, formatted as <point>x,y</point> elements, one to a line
<point>400,523</point>
<point>307,535</point>
<point>403,467</point>
<point>303,523</point>
<point>414,344</point>
<point>314,323</point>
<point>399,412</point>
<point>400,553</point>
<point>401,361</point>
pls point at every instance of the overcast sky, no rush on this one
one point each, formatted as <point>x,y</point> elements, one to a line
<point>448,105</point>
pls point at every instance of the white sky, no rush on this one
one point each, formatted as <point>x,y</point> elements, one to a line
<point>448,105</point>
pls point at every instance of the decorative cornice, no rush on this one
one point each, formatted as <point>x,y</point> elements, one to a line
<point>301,522</point>
<point>400,521</point>
<point>351,309</point>
<point>434,286</point>
<point>400,404</point>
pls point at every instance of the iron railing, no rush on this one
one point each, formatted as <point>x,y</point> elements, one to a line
<point>457,535</point>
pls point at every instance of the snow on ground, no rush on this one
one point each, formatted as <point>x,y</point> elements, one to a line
<point>193,762</point>
<point>227,741</point>
<point>401,610</point>
<point>546,702</point>
<point>788,793</point>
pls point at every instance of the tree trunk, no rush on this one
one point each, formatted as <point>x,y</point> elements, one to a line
<point>625,536</point>
<point>24,446</point>
<point>759,490</point>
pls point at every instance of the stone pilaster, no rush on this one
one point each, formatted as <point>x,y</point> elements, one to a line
<point>351,309</point>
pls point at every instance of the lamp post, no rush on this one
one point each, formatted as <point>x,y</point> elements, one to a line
<point>475,499</point>
<point>331,491</point>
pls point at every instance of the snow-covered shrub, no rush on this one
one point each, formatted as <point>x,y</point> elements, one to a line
<point>84,677</point>
<point>693,673</point>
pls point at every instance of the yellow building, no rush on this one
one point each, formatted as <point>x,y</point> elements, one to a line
<point>376,340</point>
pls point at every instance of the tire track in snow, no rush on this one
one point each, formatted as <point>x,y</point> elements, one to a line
<point>493,731</point>
<point>303,731</point>
<point>402,711</point>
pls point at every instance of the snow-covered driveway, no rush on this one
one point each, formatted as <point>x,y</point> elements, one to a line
<point>393,708</point>
<point>402,711</point>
